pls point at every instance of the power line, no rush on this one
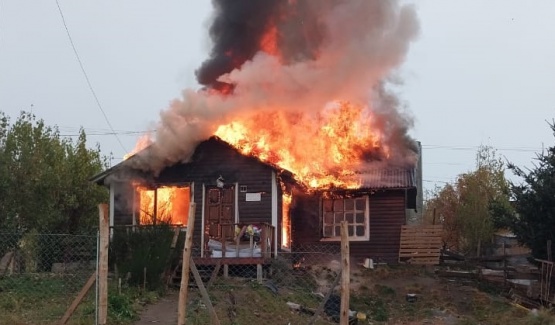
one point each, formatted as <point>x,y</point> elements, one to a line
<point>87,77</point>
<point>474,148</point>
<point>104,133</point>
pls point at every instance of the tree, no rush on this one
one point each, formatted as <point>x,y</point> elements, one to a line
<point>476,205</point>
<point>534,223</point>
<point>44,178</point>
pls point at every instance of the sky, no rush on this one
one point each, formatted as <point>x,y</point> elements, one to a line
<point>480,73</point>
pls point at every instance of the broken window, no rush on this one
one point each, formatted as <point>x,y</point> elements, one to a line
<point>353,210</point>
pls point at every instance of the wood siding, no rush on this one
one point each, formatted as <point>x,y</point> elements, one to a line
<point>387,215</point>
<point>214,158</point>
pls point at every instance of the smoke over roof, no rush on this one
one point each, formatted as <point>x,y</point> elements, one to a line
<point>280,68</point>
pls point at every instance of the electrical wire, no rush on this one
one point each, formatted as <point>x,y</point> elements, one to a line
<point>87,77</point>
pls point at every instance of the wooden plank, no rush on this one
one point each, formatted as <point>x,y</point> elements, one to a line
<point>420,256</point>
<point>420,244</point>
<point>420,252</point>
<point>423,246</point>
<point>427,227</point>
<point>214,274</point>
<point>183,290</point>
<point>345,275</point>
<point>104,233</point>
<point>175,236</point>
<point>213,316</point>
<point>78,299</point>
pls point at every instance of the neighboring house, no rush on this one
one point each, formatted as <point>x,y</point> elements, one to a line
<point>233,191</point>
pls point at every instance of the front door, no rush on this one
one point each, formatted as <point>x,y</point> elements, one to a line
<point>220,209</point>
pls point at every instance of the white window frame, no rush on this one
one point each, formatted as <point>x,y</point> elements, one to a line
<point>335,225</point>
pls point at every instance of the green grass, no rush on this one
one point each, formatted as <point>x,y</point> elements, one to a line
<point>39,298</point>
<point>44,298</point>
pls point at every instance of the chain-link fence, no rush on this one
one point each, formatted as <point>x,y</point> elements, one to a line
<point>41,274</point>
<point>290,288</point>
<point>295,286</point>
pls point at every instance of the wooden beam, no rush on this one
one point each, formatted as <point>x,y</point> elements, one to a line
<point>213,316</point>
<point>214,274</point>
<point>175,236</point>
<point>183,290</point>
<point>78,299</point>
<point>104,233</point>
<point>345,274</point>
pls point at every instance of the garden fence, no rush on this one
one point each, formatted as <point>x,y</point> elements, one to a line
<point>41,274</point>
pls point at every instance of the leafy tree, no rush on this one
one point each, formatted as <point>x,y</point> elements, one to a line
<point>44,178</point>
<point>476,205</point>
<point>534,223</point>
<point>441,208</point>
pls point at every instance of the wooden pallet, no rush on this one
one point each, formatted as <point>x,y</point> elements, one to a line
<point>420,245</point>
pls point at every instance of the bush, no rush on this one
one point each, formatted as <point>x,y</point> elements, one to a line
<point>145,248</point>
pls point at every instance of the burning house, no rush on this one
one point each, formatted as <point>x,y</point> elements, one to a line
<point>295,129</point>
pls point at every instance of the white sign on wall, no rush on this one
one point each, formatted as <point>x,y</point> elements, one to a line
<point>252,197</point>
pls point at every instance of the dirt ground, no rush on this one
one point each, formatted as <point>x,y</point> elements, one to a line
<point>380,294</point>
<point>163,312</point>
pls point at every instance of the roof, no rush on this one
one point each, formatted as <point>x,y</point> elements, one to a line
<point>139,162</point>
<point>386,178</point>
<point>373,177</point>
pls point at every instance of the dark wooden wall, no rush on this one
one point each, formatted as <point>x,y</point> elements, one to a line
<point>387,215</point>
<point>212,159</point>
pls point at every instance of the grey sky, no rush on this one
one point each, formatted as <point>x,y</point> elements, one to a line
<point>480,72</point>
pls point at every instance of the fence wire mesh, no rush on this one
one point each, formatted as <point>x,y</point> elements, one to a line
<point>41,274</point>
<point>243,285</point>
<point>282,290</point>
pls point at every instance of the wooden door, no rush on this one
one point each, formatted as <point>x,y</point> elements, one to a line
<point>220,209</point>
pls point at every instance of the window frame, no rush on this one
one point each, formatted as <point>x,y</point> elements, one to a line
<point>365,237</point>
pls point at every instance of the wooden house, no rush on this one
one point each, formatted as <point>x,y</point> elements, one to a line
<point>239,197</point>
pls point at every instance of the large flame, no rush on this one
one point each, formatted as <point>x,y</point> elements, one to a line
<point>321,151</point>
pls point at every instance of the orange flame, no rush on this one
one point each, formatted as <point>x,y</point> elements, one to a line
<point>286,221</point>
<point>143,142</point>
<point>321,151</point>
<point>164,204</point>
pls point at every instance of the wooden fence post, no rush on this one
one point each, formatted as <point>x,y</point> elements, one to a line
<point>345,274</point>
<point>104,233</point>
<point>182,305</point>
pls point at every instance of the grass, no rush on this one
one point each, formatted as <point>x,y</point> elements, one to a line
<point>43,299</point>
<point>39,298</point>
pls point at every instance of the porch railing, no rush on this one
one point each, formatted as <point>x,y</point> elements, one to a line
<point>240,240</point>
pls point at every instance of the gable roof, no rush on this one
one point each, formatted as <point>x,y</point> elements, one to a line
<point>376,177</point>
<point>136,161</point>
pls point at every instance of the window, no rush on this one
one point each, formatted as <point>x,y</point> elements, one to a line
<point>166,204</point>
<point>353,210</point>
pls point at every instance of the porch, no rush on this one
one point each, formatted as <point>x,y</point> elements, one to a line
<point>238,246</point>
